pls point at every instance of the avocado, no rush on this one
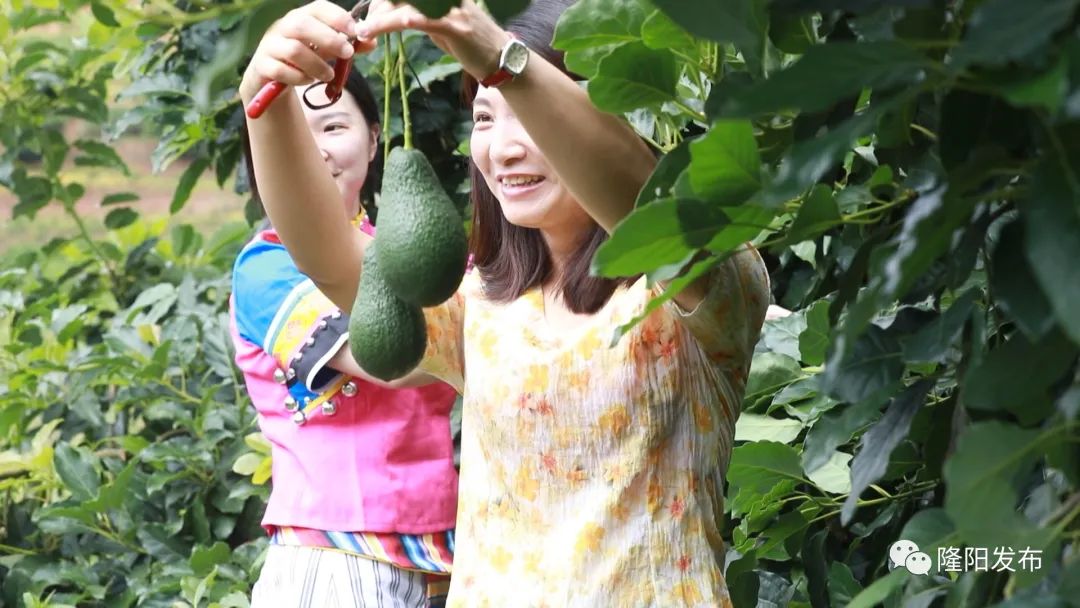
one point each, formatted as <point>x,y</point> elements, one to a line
<point>421,236</point>
<point>387,336</point>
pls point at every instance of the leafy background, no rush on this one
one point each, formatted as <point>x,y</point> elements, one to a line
<point>911,170</point>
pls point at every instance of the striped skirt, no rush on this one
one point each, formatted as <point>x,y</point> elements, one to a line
<point>312,577</point>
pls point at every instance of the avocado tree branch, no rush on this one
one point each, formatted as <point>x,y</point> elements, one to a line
<point>406,125</point>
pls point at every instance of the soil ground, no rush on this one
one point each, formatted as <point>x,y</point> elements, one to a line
<point>208,208</point>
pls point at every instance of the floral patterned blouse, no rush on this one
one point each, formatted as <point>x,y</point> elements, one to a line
<point>593,476</point>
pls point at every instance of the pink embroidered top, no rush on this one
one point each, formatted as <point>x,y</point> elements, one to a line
<point>350,458</point>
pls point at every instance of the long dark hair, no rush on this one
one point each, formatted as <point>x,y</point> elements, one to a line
<point>358,88</point>
<point>514,259</point>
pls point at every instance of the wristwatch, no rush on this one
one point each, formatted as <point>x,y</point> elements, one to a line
<point>512,61</point>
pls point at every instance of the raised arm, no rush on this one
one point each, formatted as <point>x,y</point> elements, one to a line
<point>597,156</point>
<point>295,185</point>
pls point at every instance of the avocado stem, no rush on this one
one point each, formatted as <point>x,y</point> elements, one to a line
<point>406,124</point>
<point>387,75</point>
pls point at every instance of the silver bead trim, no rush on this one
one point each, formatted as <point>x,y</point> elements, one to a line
<point>349,389</point>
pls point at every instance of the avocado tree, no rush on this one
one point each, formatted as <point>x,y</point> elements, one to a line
<point>911,171</point>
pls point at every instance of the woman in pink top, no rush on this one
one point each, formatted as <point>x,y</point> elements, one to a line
<point>591,474</point>
<point>364,488</point>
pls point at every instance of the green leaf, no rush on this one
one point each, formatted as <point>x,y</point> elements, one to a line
<point>834,430</point>
<point>843,586</point>
<point>879,590</point>
<point>75,467</point>
<point>187,182</point>
<point>746,222</point>
<point>586,62</point>
<point>104,14</point>
<point>634,76</point>
<point>667,171</point>
<point>782,335</point>
<point>54,149</point>
<point>929,529</point>
<point>247,463</point>
<point>814,340</point>
<point>829,73</point>
<point>753,427</point>
<point>793,34</point>
<point>662,232</point>
<point>161,542</point>
<point>813,560</point>
<point>933,341</point>
<point>725,166</point>
<point>786,526</point>
<point>120,218</point>
<point>770,372</point>
<point>817,214</point>
<point>220,72</point>
<point>873,364</point>
<point>1015,289</point>
<point>741,22</point>
<point>879,442</point>
<point>980,490</point>
<point>835,475</point>
<point>97,154</point>
<point>993,383</point>
<point>742,579</point>
<point>810,159</point>
<point>1046,90</point>
<point>119,197</point>
<point>756,468</point>
<point>660,32</point>
<point>594,23</point>
<point>927,233</point>
<point>1053,221</point>
<point>1001,31</point>
<point>203,559</point>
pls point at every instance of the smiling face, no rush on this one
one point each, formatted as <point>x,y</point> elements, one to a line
<point>346,142</point>
<point>527,188</point>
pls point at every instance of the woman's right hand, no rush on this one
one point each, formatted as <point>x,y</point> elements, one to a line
<point>296,49</point>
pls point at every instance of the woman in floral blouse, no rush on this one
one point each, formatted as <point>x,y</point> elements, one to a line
<point>591,475</point>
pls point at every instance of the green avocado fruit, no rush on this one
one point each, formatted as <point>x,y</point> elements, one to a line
<point>421,236</point>
<point>387,336</point>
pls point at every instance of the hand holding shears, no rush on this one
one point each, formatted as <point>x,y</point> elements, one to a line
<point>296,49</point>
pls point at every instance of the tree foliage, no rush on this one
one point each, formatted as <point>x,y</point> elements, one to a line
<point>910,170</point>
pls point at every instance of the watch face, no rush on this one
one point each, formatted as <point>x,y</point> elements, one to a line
<point>517,55</point>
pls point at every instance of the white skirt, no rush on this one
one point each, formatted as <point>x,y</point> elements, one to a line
<point>313,577</point>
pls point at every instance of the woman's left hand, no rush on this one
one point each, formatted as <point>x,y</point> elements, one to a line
<point>467,33</point>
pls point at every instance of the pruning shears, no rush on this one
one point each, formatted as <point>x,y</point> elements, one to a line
<point>269,92</point>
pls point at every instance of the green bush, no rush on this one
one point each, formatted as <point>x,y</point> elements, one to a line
<point>122,415</point>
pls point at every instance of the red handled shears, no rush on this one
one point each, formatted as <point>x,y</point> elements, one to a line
<point>269,92</point>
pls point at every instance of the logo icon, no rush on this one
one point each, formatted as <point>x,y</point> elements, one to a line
<point>906,554</point>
